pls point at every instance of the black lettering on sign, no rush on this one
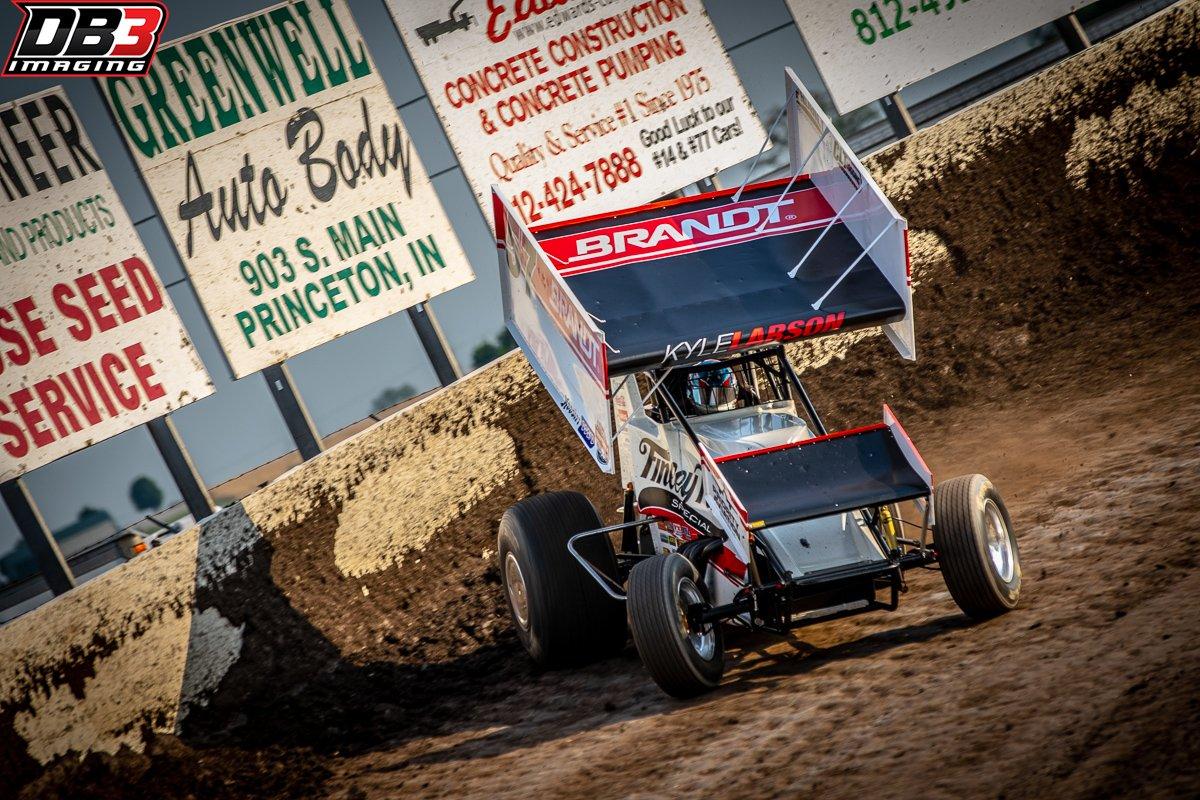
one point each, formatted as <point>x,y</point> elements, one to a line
<point>237,206</point>
<point>42,146</point>
<point>362,159</point>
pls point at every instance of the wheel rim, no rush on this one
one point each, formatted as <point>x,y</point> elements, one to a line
<point>704,641</point>
<point>999,542</point>
<point>514,583</point>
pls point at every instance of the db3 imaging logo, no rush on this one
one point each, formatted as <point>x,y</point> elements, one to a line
<point>81,39</point>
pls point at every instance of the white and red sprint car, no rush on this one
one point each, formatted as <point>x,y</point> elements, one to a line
<point>668,321</point>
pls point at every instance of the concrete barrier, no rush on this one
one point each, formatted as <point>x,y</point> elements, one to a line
<point>367,573</point>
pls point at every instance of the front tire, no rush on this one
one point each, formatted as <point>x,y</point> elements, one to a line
<point>561,614</point>
<point>976,547</point>
<point>683,660</point>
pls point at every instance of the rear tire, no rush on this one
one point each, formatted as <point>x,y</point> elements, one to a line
<point>976,548</point>
<point>683,662</point>
<point>561,614</point>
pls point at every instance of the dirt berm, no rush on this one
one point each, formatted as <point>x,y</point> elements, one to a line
<point>341,633</point>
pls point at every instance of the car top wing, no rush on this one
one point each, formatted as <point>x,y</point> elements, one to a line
<point>561,341</point>
<point>680,281</point>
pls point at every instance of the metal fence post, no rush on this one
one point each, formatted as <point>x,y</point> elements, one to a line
<point>179,464</point>
<point>897,115</point>
<point>25,514</point>
<point>1072,33</point>
<point>291,406</point>
<point>434,342</point>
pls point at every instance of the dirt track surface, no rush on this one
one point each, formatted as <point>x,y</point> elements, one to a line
<point>1087,690</point>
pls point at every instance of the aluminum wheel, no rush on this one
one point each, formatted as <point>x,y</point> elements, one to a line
<point>999,542</point>
<point>704,641</point>
<point>514,582</point>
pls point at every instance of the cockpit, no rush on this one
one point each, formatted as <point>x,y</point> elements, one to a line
<point>737,405</point>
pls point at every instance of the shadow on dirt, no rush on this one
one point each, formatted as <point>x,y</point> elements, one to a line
<point>335,706</point>
<point>804,657</point>
<point>622,690</point>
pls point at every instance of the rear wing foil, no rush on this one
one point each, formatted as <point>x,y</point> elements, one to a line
<point>562,343</point>
<point>816,148</point>
<point>830,474</point>
<point>683,280</point>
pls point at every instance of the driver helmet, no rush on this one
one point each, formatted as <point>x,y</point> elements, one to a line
<point>710,390</point>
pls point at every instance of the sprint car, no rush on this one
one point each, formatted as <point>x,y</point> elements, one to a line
<point>667,324</point>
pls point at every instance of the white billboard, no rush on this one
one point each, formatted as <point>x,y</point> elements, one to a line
<point>867,50</point>
<point>287,180</point>
<point>90,344</point>
<point>581,107</point>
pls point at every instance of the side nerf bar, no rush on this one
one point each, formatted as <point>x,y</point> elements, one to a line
<point>606,583</point>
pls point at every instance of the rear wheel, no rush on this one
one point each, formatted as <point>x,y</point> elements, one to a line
<point>976,547</point>
<point>684,659</point>
<point>561,614</point>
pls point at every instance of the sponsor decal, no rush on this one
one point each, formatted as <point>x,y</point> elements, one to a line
<point>585,433</point>
<point>596,442</point>
<point>521,253</point>
<point>688,232</point>
<point>660,469</point>
<point>754,337</point>
<point>688,522</point>
<point>603,443</point>
<point>621,408</point>
<point>721,500</point>
<point>86,39</point>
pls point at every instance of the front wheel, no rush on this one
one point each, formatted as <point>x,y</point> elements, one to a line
<point>976,547</point>
<point>683,658</point>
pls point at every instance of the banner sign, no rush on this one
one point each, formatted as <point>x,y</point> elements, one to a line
<point>866,50</point>
<point>90,344</point>
<point>580,107</point>
<point>562,343</point>
<point>287,181</point>
<point>687,232</point>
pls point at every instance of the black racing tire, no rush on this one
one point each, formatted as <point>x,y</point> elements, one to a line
<point>657,588</point>
<point>976,548</point>
<point>562,616</point>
